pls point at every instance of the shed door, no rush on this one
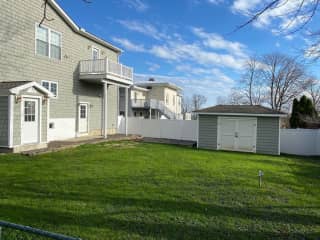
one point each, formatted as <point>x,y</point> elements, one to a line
<point>237,134</point>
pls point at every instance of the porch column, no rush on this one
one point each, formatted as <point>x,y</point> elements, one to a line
<point>126,111</point>
<point>105,110</point>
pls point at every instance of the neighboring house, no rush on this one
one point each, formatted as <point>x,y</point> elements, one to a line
<point>57,81</point>
<point>240,128</point>
<point>154,100</point>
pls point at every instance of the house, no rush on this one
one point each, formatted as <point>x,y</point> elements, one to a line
<point>57,81</point>
<point>154,100</point>
<point>240,128</point>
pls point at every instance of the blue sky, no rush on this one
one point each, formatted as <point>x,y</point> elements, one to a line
<point>188,42</point>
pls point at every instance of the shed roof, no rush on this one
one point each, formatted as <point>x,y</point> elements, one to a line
<point>240,110</point>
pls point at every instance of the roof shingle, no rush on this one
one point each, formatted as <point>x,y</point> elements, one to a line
<point>240,109</point>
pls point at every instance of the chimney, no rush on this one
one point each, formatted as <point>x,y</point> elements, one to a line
<point>151,79</point>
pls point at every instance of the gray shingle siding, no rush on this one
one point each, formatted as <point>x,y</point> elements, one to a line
<point>3,121</point>
<point>17,123</point>
<point>18,61</point>
<point>268,135</point>
<point>208,132</point>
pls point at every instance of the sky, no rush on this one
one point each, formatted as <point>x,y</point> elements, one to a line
<point>191,43</point>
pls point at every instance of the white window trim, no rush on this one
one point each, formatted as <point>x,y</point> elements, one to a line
<point>49,41</point>
<point>50,82</point>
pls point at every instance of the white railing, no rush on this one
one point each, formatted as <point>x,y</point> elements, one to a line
<point>106,66</point>
<point>154,104</point>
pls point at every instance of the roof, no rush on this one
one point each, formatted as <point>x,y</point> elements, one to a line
<point>253,110</point>
<point>6,86</point>
<point>80,30</point>
<point>160,84</point>
<point>14,87</point>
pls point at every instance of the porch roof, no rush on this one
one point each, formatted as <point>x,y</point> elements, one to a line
<point>14,87</point>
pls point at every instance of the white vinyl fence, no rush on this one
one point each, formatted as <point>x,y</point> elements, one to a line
<point>305,142</point>
<point>300,141</point>
<point>169,129</point>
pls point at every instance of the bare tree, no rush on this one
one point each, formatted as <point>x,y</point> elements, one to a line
<point>197,101</point>
<point>45,16</point>
<point>252,87</point>
<point>235,97</point>
<point>298,15</point>
<point>285,79</point>
<point>186,105</point>
<point>314,90</point>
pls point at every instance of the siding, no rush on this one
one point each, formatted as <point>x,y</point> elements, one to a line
<point>3,121</point>
<point>18,61</point>
<point>208,132</point>
<point>17,124</point>
<point>268,135</point>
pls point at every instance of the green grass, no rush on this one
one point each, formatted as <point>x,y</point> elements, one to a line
<point>130,190</point>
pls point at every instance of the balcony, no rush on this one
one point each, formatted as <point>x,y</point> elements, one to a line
<point>95,70</point>
<point>153,104</point>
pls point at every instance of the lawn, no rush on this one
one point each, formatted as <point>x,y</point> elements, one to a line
<point>132,190</point>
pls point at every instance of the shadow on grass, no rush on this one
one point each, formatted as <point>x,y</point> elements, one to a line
<point>147,227</point>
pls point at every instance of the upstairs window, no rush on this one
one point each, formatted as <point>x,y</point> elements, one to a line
<point>55,45</point>
<point>51,86</point>
<point>48,43</point>
<point>42,41</point>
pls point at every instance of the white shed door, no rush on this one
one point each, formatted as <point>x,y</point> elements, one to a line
<point>237,134</point>
<point>30,121</point>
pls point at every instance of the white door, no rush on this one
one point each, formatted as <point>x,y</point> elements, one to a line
<point>246,135</point>
<point>227,130</point>
<point>95,53</point>
<point>30,121</point>
<point>83,118</point>
<point>237,134</point>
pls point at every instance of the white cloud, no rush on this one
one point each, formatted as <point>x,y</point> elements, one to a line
<point>143,28</point>
<point>215,2</point>
<point>128,45</point>
<point>210,86</point>
<point>138,5</point>
<point>244,6</point>
<point>283,15</point>
<point>152,67</point>
<point>216,41</point>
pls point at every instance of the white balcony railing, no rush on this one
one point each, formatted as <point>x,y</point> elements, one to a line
<point>154,104</point>
<point>106,66</point>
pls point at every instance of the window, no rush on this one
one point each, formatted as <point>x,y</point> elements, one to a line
<point>29,111</point>
<point>51,86</point>
<point>83,111</point>
<point>167,99</point>
<point>48,42</point>
<point>55,45</point>
<point>42,40</point>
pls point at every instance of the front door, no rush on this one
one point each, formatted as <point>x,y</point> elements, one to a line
<point>83,118</point>
<point>30,121</point>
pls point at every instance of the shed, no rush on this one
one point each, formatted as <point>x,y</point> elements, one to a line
<point>243,128</point>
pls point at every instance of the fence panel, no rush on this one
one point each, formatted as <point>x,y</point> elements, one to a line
<point>170,129</point>
<point>305,142</point>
